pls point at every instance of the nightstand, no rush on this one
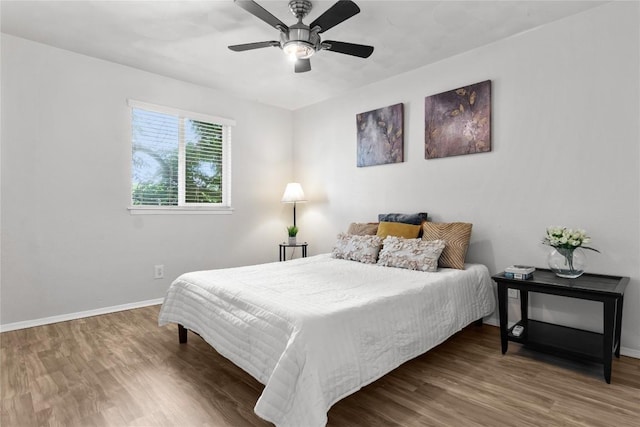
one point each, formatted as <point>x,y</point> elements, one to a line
<point>561,340</point>
<point>284,246</point>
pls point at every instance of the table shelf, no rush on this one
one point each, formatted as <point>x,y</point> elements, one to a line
<point>560,340</point>
<point>284,246</point>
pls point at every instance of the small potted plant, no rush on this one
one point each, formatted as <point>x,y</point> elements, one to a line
<point>293,231</point>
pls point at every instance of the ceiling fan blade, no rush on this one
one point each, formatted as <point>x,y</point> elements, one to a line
<point>339,12</point>
<point>303,65</point>
<point>250,46</point>
<point>258,11</point>
<point>361,50</point>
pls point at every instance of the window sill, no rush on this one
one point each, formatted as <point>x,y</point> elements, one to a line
<point>179,210</point>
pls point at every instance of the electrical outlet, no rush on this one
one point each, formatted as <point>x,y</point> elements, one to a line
<point>158,271</point>
<point>513,293</point>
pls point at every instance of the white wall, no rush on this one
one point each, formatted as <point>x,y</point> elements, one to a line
<point>68,242</point>
<point>565,135</point>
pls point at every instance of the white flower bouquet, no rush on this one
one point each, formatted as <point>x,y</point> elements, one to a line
<point>567,238</point>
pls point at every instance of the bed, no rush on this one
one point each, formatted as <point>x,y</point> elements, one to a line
<point>316,329</point>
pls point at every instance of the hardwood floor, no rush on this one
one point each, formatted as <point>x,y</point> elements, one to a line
<point>121,369</point>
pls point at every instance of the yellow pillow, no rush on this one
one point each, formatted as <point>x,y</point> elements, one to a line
<point>398,229</point>
<point>457,236</point>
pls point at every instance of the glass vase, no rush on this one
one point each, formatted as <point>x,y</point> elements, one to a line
<point>567,262</point>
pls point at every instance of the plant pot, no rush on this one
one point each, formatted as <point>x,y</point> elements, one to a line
<point>292,240</point>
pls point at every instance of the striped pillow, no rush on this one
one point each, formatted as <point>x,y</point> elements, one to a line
<point>456,235</point>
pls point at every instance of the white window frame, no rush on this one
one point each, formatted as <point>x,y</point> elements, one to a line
<point>187,208</point>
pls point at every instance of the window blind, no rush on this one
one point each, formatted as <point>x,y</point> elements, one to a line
<point>179,158</point>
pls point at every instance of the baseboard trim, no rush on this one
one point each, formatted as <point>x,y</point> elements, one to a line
<point>629,352</point>
<point>491,321</point>
<point>79,315</point>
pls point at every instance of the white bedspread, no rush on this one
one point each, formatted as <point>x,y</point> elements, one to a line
<point>316,329</point>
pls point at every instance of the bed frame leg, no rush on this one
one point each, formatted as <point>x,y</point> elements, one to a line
<point>477,323</point>
<point>182,334</point>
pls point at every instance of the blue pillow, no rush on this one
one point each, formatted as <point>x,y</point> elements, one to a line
<point>415,219</point>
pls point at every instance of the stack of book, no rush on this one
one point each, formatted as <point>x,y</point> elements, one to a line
<point>520,272</point>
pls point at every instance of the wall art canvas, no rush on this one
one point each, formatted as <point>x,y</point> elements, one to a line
<point>458,121</point>
<point>380,136</point>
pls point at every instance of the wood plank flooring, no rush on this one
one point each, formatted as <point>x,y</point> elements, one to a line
<point>121,369</point>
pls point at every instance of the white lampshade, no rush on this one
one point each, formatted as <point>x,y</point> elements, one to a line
<point>293,193</point>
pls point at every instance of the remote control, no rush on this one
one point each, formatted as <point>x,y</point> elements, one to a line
<point>517,330</point>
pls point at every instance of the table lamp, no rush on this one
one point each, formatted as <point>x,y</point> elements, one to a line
<point>292,194</point>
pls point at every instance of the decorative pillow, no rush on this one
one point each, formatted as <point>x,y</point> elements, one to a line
<point>413,254</point>
<point>456,235</point>
<point>363,228</point>
<point>357,248</point>
<point>415,219</point>
<point>398,229</point>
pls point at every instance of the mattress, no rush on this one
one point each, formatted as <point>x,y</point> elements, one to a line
<point>316,329</point>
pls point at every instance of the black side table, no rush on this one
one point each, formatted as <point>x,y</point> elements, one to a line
<point>284,246</point>
<point>562,340</point>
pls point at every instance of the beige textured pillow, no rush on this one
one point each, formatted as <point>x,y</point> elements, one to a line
<point>363,228</point>
<point>456,235</point>
<point>398,229</point>
<point>412,254</point>
<point>357,248</point>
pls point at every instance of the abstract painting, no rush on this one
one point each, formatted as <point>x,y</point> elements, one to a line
<point>458,121</point>
<point>380,136</point>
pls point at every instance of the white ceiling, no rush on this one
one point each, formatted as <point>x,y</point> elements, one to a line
<point>188,40</point>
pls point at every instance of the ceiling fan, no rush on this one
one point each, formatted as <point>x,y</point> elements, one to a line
<point>300,41</point>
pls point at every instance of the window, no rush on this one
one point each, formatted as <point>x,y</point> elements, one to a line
<point>180,160</point>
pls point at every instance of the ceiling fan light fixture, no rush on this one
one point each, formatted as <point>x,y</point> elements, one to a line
<point>298,49</point>
<point>299,41</point>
